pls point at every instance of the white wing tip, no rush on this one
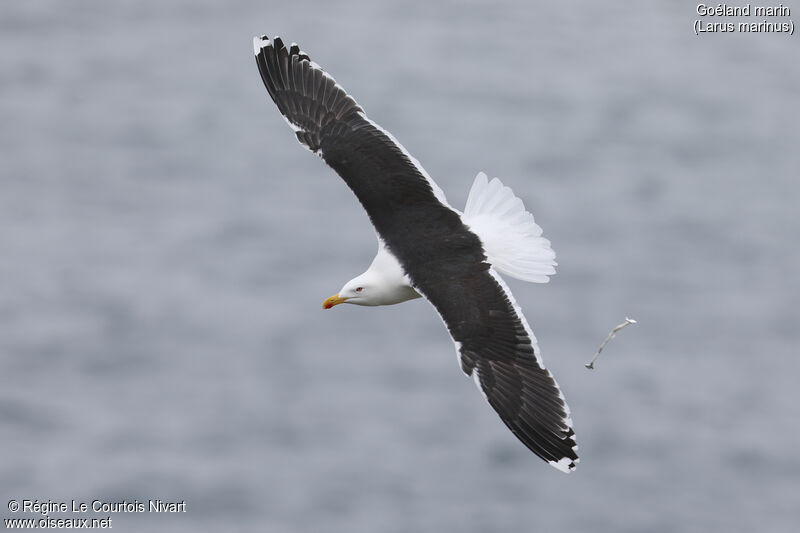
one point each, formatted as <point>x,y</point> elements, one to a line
<point>565,464</point>
<point>259,43</point>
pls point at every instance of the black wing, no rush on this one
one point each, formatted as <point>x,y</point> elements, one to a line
<point>444,260</point>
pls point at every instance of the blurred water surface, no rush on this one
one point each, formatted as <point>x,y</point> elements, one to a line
<point>165,245</point>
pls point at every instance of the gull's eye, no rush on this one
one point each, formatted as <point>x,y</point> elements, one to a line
<point>359,289</point>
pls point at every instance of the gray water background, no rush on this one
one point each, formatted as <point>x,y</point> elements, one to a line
<point>165,246</point>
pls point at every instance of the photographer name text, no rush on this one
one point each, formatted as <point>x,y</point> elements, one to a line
<point>46,507</point>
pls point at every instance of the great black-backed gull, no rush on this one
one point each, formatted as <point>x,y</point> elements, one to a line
<point>428,248</point>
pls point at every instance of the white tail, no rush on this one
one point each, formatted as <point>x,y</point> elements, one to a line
<point>512,240</point>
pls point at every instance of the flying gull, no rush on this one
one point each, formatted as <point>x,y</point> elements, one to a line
<point>428,248</point>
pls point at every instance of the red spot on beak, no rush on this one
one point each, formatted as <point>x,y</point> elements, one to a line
<point>333,300</point>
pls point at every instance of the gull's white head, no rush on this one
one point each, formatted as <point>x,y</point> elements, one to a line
<point>361,290</point>
<point>373,288</point>
<point>384,283</point>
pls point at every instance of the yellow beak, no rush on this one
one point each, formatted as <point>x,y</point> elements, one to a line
<point>333,300</point>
